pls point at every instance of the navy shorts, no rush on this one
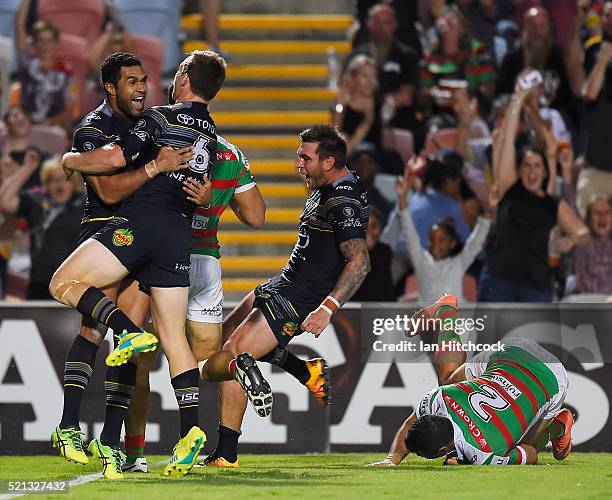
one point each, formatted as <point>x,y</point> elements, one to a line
<point>91,227</point>
<point>284,315</point>
<point>153,244</point>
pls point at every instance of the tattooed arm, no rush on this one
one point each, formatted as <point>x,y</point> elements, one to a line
<point>357,268</point>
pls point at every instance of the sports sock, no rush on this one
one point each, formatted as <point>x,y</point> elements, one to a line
<point>289,362</point>
<point>553,430</point>
<point>98,306</point>
<point>187,392</point>
<point>228,443</point>
<point>119,387</point>
<point>134,447</point>
<point>78,368</point>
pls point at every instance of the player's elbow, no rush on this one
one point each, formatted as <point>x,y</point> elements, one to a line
<point>366,264</point>
<point>258,218</point>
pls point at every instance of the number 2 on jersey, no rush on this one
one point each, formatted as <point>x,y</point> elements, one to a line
<point>489,397</point>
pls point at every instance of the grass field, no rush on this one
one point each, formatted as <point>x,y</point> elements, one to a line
<point>333,476</point>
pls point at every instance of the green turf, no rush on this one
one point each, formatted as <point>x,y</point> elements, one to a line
<point>335,476</point>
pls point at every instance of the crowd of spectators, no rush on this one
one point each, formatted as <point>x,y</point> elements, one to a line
<point>479,128</point>
<point>504,189</point>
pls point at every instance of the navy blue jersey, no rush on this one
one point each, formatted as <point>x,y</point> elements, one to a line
<point>97,128</point>
<point>333,214</point>
<point>179,125</point>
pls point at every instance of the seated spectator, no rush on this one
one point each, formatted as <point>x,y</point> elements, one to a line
<point>53,215</point>
<point>596,178</point>
<point>517,268</point>
<point>455,56</point>
<point>18,129</point>
<point>47,88</point>
<point>377,285</point>
<point>398,68</point>
<point>593,262</point>
<point>365,161</point>
<point>358,112</point>
<point>439,269</point>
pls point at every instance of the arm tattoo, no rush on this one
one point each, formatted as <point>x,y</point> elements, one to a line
<point>356,253</point>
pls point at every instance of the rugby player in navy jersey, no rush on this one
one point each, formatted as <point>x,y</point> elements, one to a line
<point>125,84</point>
<point>150,237</point>
<point>328,264</point>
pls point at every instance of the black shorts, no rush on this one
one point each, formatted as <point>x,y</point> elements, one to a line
<point>91,227</point>
<point>284,315</point>
<point>153,244</point>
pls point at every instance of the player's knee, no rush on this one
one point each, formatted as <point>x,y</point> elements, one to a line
<point>59,287</point>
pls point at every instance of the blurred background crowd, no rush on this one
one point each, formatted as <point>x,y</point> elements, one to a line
<point>480,128</point>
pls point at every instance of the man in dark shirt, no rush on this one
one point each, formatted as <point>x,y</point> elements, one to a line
<point>150,236</point>
<point>327,265</point>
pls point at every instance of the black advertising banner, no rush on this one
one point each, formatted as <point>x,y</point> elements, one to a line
<point>378,375</point>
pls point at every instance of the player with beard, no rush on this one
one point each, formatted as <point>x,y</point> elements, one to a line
<point>160,257</point>
<point>328,264</point>
<point>125,84</point>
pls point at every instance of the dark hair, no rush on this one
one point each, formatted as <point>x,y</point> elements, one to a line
<point>330,142</point>
<point>110,69</point>
<point>377,213</point>
<point>438,172</point>
<point>529,148</point>
<point>43,25</point>
<point>450,228</point>
<point>206,72</point>
<point>428,434</point>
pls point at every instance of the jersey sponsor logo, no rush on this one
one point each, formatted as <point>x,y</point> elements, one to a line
<point>351,222</point>
<point>476,433</point>
<point>392,67</point>
<point>88,146</point>
<point>201,156</point>
<point>123,238</point>
<point>347,188</point>
<point>510,388</point>
<point>199,221</point>
<point>226,156</point>
<point>181,267</point>
<point>142,135</point>
<point>185,119</point>
<point>348,211</point>
<point>140,124</point>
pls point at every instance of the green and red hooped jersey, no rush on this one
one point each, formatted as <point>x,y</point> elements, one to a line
<point>491,413</point>
<point>230,174</point>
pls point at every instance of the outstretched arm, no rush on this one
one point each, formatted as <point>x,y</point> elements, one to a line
<point>398,450</point>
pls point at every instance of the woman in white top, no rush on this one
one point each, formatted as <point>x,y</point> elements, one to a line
<point>437,272</point>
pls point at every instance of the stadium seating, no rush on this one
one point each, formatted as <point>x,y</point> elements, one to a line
<point>73,50</point>
<point>8,9</point>
<point>83,18</point>
<point>159,18</point>
<point>150,50</point>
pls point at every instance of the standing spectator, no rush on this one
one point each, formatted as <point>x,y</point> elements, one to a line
<point>538,50</point>
<point>48,91</point>
<point>517,267</point>
<point>439,269</point>
<point>480,17</point>
<point>377,285</point>
<point>18,128</point>
<point>593,262</point>
<point>596,178</point>
<point>53,216</point>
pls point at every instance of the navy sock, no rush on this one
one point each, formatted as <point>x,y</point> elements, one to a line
<point>187,392</point>
<point>119,387</point>
<point>98,306</point>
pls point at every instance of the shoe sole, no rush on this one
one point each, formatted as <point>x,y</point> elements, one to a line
<point>326,385</point>
<point>260,400</point>
<point>564,453</point>
<point>55,442</point>
<point>179,470</point>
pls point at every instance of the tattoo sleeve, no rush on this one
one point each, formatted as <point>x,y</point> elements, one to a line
<point>356,253</point>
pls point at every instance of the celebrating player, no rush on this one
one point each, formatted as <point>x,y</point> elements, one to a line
<point>497,409</point>
<point>126,87</point>
<point>151,237</point>
<point>328,264</point>
<point>233,185</point>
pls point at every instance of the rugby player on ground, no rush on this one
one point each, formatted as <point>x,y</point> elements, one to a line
<point>328,264</point>
<point>499,408</point>
<point>151,237</point>
<point>125,84</point>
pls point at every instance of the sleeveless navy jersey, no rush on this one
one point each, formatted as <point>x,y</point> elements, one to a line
<point>97,128</point>
<point>179,125</point>
<point>333,214</point>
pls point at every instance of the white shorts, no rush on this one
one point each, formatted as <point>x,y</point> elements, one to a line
<point>476,366</point>
<point>205,290</point>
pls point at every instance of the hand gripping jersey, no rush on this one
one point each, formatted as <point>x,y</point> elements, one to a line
<point>97,128</point>
<point>333,214</point>
<point>508,393</point>
<point>179,125</point>
<point>230,174</point>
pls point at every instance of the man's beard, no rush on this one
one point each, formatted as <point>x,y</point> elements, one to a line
<point>536,52</point>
